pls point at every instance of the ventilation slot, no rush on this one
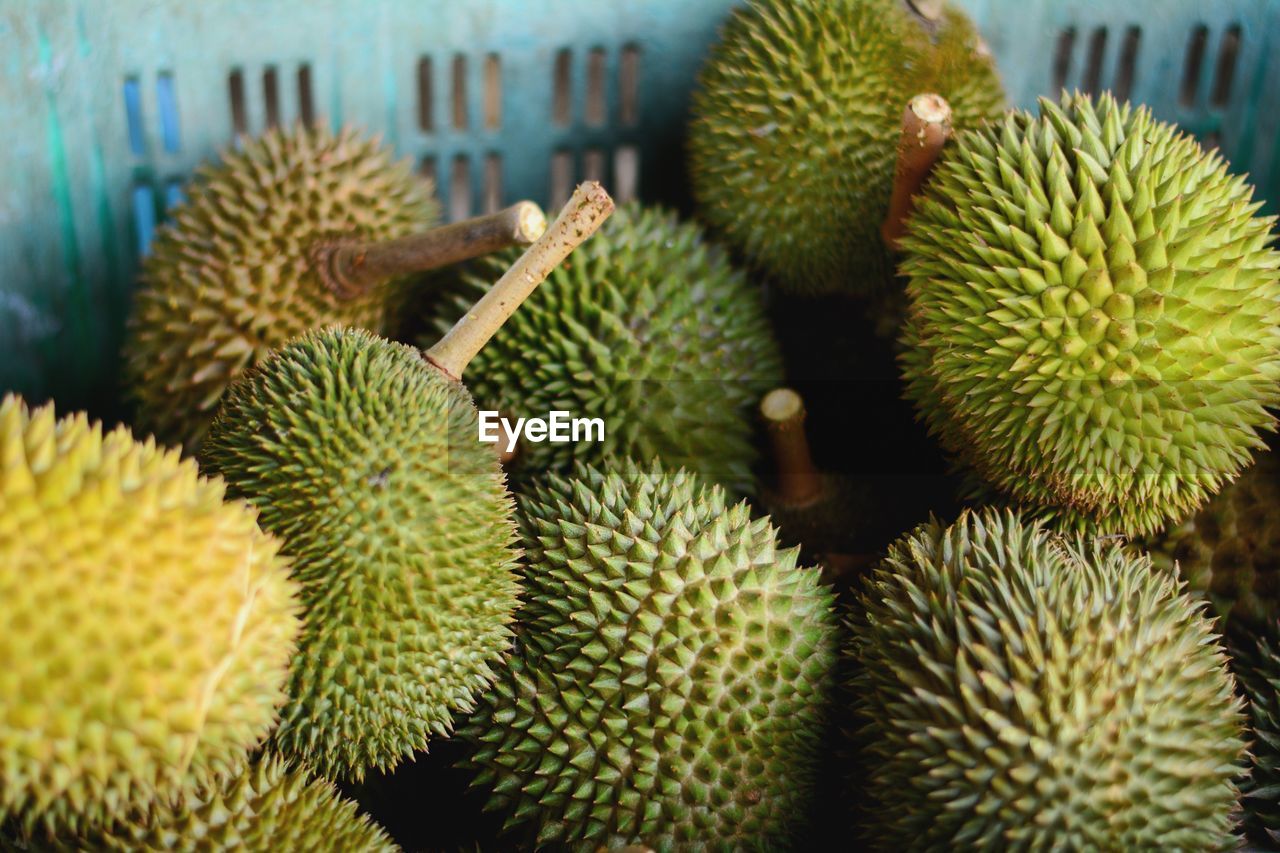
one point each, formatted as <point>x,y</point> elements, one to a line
<point>492,92</point>
<point>594,115</point>
<point>626,172</point>
<point>133,116</point>
<point>271,95</point>
<point>593,165</point>
<point>1193,65</point>
<point>460,92</point>
<point>427,169</point>
<point>629,86</point>
<point>426,105</point>
<point>173,193</point>
<point>460,188</point>
<point>167,104</point>
<point>306,100</point>
<point>144,217</point>
<point>1225,74</point>
<point>561,178</point>
<point>492,182</point>
<point>239,113</point>
<point>1062,57</point>
<point>560,89</point>
<point>1128,62</point>
<point>1092,81</point>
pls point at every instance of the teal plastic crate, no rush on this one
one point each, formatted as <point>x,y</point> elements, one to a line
<point>108,105</point>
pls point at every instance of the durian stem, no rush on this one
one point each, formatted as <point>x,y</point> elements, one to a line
<point>799,482</point>
<point>926,126</point>
<point>586,211</point>
<point>352,269</point>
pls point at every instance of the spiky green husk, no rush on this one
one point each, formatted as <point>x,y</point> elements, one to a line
<point>1021,691</point>
<point>1230,550</point>
<point>648,328</point>
<point>229,278</point>
<point>1255,659</point>
<point>147,624</point>
<point>796,122</point>
<point>363,459</point>
<point>268,807</point>
<point>1095,313</point>
<point>671,673</point>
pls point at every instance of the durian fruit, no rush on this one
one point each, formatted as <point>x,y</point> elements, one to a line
<point>148,625</point>
<point>1255,660</point>
<point>652,331</point>
<point>671,673</point>
<point>362,455</point>
<point>1095,314</point>
<point>1017,690</point>
<point>1229,551</point>
<point>296,230</point>
<point>269,807</point>
<point>796,121</point>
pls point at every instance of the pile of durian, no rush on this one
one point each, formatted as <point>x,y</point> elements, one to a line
<point>296,599</point>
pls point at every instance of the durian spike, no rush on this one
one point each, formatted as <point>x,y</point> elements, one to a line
<point>350,268</point>
<point>926,127</point>
<point>799,482</point>
<point>586,211</point>
<point>930,10</point>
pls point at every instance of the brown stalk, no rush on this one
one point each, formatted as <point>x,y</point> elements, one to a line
<point>586,211</point>
<point>351,268</point>
<point>926,126</point>
<point>799,481</point>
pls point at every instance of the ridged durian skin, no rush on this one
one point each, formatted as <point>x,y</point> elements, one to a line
<point>1230,550</point>
<point>229,277</point>
<point>796,121</point>
<point>148,625</point>
<point>364,459</point>
<point>649,328</point>
<point>269,807</point>
<point>1255,659</point>
<point>1095,313</point>
<point>1020,691</point>
<point>671,671</point>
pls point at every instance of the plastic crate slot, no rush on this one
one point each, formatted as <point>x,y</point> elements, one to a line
<point>560,108</point>
<point>427,169</point>
<point>561,178</point>
<point>426,102</point>
<point>306,99</point>
<point>492,182</point>
<point>460,92</point>
<point>133,116</point>
<point>1062,57</point>
<point>1128,62</point>
<point>167,106</point>
<point>460,188</point>
<point>1193,65</point>
<point>594,113</point>
<point>629,85</point>
<point>271,95</point>
<point>144,216</point>
<point>239,109</point>
<point>593,165</point>
<point>626,172</point>
<point>1092,82</point>
<point>174,194</point>
<point>1224,75</point>
<point>492,92</point>
<point>1212,141</point>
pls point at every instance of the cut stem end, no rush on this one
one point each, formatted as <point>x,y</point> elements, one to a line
<point>799,481</point>
<point>926,127</point>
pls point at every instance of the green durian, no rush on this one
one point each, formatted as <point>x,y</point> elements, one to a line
<point>1095,314</point>
<point>269,807</point>
<point>364,460</point>
<point>148,624</point>
<point>671,673</point>
<point>796,121</point>
<point>1255,659</point>
<point>1229,551</point>
<point>649,329</point>
<point>1017,690</point>
<point>230,277</point>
